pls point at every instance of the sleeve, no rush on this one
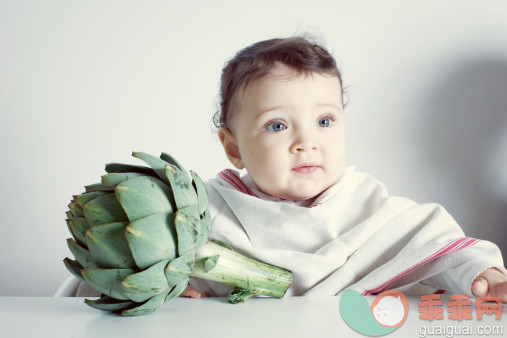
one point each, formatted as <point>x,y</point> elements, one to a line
<point>465,267</point>
<point>437,256</point>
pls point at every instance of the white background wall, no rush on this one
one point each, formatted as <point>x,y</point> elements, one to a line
<point>83,83</point>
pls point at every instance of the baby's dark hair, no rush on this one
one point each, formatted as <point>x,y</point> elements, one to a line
<point>257,60</point>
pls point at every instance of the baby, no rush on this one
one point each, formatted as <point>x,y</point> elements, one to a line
<point>300,207</point>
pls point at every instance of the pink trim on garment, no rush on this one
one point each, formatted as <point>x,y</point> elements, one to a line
<point>230,177</point>
<point>460,243</point>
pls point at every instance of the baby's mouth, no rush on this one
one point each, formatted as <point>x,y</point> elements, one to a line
<point>306,169</point>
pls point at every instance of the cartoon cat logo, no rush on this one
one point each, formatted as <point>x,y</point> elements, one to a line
<point>386,314</point>
<point>390,308</point>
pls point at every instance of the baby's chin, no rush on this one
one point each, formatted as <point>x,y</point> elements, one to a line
<point>294,193</point>
<point>294,196</point>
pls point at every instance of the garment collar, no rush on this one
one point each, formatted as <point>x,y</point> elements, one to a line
<point>246,185</point>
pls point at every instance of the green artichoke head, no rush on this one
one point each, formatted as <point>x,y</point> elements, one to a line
<point>135,234</point>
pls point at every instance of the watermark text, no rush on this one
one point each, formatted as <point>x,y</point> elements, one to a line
<point>450,331</point>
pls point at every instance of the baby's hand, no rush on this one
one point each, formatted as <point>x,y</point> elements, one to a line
<point>490,283</point>
<point>192,292</point>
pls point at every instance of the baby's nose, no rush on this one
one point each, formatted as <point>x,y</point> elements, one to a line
<point>304,145</point>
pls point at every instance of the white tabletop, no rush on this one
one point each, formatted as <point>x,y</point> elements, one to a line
<point>206,317</point>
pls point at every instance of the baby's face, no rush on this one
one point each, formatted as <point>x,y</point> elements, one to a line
<point>289,134</point>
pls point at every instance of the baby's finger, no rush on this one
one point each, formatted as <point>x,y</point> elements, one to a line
<point>480,287</point>
<point>191,292</point>
<point>500,290</point>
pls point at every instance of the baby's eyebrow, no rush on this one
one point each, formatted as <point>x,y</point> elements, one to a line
<point>319,105</point>
<point>262,112</point>
<point>330,105</point>
<point>267,110</point>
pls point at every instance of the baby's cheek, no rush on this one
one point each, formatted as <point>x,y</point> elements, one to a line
<point>269,161</point>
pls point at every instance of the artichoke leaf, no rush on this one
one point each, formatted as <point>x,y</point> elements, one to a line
<point>76,209</point>
<point>97,187</point>
<point>107,281</point>
<point>177,290</point>
<point>179,269</point>
<point>205,224</point>
<point>206,264</point>
<point>187,222</point>
<point>144,196</point>
<point>88,196</point>
<point>109,247</point>
<point>107,303</point>
<point>128,168</point>
<point>103,210</point>
<point>239,295</point>
<point>184,193</point>
<point>81,254</point>
<point>113,179</point>
<point>148,307</point>
<point>74,267</point>
<point>202,193</point>
<point>211,262</point>
<point>148,283</point>
<point>225,245</point>
<point>157,164</point>
<point>206,219</point>
<point>77,227</point>
<point>171,160</point>
<point>152,239</point>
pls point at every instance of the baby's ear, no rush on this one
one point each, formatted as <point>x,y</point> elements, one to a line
<point>230,145</point>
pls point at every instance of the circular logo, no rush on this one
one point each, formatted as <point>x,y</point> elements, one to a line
<point>387,312</point>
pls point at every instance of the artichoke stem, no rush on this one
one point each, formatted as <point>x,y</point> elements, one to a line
<point>217,263</point>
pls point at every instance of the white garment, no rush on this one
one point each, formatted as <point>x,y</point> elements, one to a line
<point>354,235</point>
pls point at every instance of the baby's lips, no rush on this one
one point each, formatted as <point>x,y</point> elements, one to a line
<point>306,164</point>
<point>306,169</point>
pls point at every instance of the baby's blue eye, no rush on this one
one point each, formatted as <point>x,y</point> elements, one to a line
<point>276,126</point>
<point>325,122</point>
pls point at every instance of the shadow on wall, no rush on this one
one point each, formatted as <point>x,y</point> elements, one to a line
<point>465,132</point>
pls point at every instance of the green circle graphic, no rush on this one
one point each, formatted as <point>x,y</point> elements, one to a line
<point>356,312</point>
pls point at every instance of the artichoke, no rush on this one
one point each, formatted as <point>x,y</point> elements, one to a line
<point>143,232</point>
